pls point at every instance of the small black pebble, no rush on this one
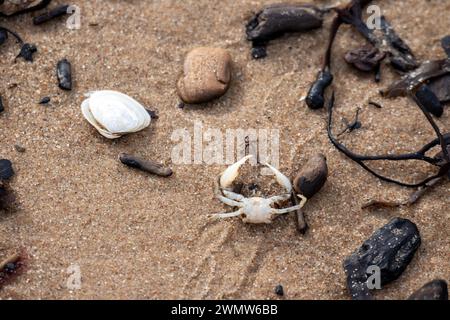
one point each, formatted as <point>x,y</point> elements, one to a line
<point>44,100</point>
<point>279,291</point>
<point>6,170</point>
<point>64,74</point>
<point>181,105</point>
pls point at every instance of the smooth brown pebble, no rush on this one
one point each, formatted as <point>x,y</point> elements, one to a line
<point>312,176</point>
<point>207,75</point>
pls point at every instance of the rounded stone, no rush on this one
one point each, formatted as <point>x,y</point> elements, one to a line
<point>206,75</point>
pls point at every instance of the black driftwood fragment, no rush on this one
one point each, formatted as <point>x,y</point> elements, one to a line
<point>398,53</point>
<point>277,19</point>
<point>434,290</point>
<point>10,8</point>
<point>64,74</point>
<point>145,165</point>
<point>51,14</point>
<point>391,249</point>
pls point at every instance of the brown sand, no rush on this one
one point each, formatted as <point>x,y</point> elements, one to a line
<point>137,236</point>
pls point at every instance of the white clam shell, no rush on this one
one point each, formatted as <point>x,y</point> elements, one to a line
<point>114,114</point>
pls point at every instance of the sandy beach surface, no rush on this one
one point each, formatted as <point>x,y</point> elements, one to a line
<point>135,236</point>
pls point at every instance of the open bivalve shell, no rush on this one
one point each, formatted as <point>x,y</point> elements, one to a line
<point>114,114</point>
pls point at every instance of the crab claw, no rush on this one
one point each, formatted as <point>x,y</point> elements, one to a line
<point>230,174</point>
<point>281,178</point>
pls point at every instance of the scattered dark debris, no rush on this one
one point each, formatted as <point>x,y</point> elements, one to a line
<point>27,51</point>
<point>181,105</point>
<point>279,290</point>
<point>145,165</point>
<point>385,40</point>
<point>64,74</point>
<point>366,58</point>
<point>45,100</point>
<point>6,169</point>
<point>434,290</point>
<point>391,248</point>
<point>354,125</point>
<point>428,85</point>
<point>19,148</point>
<point>54,13</point>
<point>277,19</point>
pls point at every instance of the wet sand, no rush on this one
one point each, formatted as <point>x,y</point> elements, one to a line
<point>136,236</point>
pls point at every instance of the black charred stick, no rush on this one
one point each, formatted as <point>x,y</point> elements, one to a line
<point>52,14</point>
<point>277,19</point>
<point>145,165</point>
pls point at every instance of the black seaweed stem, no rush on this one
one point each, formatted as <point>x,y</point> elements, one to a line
<point>442,140</point>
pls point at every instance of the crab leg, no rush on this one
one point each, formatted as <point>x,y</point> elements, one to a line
<point>281,178</point>
<point>229,202</point>
<point>279,199</point>
<point>291,209</point>
<point>227,215</point>
<point>230,174</point>
<point>233,195</point>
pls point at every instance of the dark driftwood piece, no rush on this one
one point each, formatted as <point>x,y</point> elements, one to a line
<point>52,14</point>
<point>145,165</point>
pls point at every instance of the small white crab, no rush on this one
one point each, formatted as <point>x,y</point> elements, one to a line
<point>254,210</point>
